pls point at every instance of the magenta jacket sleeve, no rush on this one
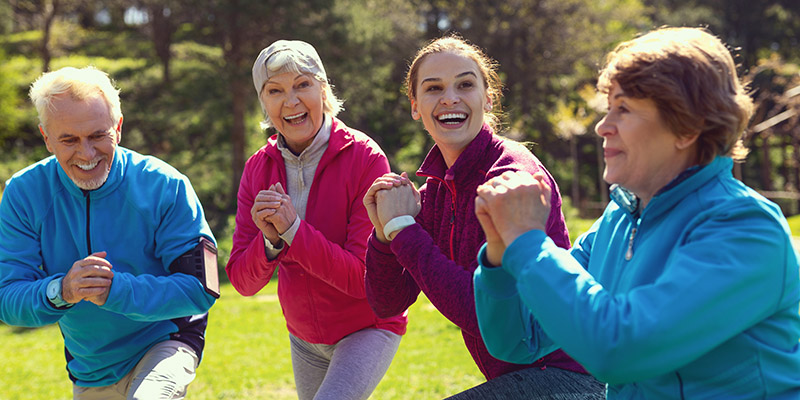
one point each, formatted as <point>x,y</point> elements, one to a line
<point>248,268</point>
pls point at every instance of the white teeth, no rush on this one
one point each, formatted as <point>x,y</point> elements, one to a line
<point>452,116</point>
<point>291,117</point>
<point>88,167</point>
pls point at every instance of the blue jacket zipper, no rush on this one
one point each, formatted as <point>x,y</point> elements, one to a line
<point>88,234</point>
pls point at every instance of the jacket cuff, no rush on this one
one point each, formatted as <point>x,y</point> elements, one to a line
<point>377,245</point>
<point>272,251</point>
<point>288,236</point>
<point>494,281</point>
<point>527,248</point>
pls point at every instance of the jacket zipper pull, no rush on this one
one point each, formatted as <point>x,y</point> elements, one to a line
<point>629,253</point>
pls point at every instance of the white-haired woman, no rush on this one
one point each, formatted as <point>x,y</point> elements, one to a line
<point>300,207</point>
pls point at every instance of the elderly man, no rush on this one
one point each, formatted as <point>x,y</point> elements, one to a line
<point>111,244</point>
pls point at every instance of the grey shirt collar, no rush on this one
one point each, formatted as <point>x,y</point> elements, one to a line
<point>314,150</point>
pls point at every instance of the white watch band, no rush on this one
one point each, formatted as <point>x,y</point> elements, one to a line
<point>397,223</point>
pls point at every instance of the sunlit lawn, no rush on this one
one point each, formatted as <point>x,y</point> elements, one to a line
<point>247,356</point>
<point>794,224</point>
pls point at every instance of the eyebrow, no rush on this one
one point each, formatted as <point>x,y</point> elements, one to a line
<point>457,76</point>
<point>300,75</point>
<point>466,73</point>
<point>68,135</point>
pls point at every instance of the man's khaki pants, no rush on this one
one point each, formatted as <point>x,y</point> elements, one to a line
<point>163,373</point>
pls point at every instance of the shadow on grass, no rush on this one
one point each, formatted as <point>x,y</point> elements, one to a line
<point>19,329</point>
<point>22,329</point>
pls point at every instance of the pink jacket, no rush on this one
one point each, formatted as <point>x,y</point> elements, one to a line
<point>321,275</point>
<point>439,254</point>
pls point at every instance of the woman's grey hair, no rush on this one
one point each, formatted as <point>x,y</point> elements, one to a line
<point>289,60</point>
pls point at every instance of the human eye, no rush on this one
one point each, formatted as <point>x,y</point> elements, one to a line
<point>69,140</point>
<point>273,91</point>
<point>466,85</point>
<point>303,84</point>
<point>616,106</point>
<point>99,135</point>
<point>432,88</point>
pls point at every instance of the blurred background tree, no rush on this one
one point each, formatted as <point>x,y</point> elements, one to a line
<point>184,70</point>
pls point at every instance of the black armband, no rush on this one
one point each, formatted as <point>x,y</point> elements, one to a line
<point>200,262</point>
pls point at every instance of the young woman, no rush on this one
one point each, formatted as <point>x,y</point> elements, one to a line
<point>300,207</point>
<point>428,240</point>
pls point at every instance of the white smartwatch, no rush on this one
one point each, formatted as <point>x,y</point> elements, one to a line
<point>54,294</point>
<point>396,224</point>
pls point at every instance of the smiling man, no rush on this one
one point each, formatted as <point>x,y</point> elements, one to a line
<point>110,244</point>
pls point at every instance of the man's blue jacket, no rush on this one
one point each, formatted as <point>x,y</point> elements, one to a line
<point>144,216</point>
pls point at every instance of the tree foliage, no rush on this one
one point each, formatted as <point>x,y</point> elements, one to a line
<point>184,70</point>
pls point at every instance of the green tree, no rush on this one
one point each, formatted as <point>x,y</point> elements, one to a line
<point>756,27</point>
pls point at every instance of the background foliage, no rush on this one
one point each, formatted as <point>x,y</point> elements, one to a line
<point>184,71</point>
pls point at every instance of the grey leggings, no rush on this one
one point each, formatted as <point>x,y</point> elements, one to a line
<point>349,369</point>
<point>535,383</point>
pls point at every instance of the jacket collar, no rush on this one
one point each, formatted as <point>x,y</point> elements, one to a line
<point>115,176</point>
<point>467,161</point>
<point>314,150</point>
<point>340,138</point>
<point>675,191</point>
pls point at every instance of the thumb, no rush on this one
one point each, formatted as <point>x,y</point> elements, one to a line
<point>484,219</point>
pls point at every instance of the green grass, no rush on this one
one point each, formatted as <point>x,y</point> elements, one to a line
<point>577,226</point>
<point>247,356</point>
<point>794,224</point>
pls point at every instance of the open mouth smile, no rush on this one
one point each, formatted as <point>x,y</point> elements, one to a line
<point>87,167</point>
<point>296,119</point>
<point>453,119</point>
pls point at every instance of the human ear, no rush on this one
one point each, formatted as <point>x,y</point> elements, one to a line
<point>414,111</point>
<point>119,129</point>
<point>685,141</point>
<point>46,139</point>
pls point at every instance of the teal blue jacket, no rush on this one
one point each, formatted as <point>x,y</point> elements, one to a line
<point>144,216</point>
<point>696,297</point>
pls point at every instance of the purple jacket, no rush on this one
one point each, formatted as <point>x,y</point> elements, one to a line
<point>439,254</point>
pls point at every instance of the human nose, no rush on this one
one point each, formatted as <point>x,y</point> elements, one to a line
<point>86,149</point>
<point>450,97</point>
<point>604,127</point>
<point>291,99</point>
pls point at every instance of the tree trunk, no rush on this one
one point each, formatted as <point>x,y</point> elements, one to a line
<point>766,163</point>
<point>50,11</point>
<point>235,62</point>
<point>86,13</point>
<point>600,168</point>
<point>162,37</point>
<point>573,152</point>
<point>238,138</point>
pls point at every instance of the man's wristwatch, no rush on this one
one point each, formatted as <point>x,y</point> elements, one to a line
<point>54,294</point>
